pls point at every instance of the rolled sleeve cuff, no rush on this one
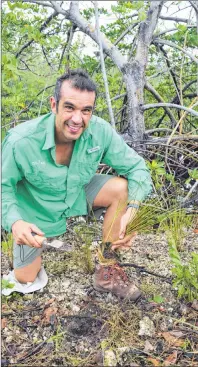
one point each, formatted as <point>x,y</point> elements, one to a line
<point>11,220</point>
<point>139,191</point>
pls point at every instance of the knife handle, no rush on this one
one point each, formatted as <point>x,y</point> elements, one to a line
<point>40,239</point>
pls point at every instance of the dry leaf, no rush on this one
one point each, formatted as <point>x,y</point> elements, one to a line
<point>176,333</point>
<point>3,323</point>
<point>196,230</point>
<point>172,359</point>
<point>50,301</point>
<point>172,340</point>
<point>148,346</point>
<point>155,362</point>
<point>48,313</point>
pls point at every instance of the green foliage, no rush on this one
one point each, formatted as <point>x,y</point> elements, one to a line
<point>84,256</point>
<point>176,225</point>
<point>157,299</point>
<point>186,275</point>
<point>193,175</point>
<point>156,168</point>
<point>6,284</point>
<point>7,247</point>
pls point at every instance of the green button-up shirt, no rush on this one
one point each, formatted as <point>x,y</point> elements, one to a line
<point>38,190</point>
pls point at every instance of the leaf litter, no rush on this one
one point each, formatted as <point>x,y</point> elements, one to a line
<point>70,324</point>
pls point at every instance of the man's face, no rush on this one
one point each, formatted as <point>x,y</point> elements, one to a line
<point>73,113</point>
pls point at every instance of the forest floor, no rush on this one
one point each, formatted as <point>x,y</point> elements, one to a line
<point>68,323</point>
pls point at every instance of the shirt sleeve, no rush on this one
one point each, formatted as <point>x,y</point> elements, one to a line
<point>10,176</point>
<point>129,164</point>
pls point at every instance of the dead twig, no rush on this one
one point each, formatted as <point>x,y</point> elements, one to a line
<point>142,269</point>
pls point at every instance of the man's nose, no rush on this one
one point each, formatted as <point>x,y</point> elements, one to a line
<point>77,117</point>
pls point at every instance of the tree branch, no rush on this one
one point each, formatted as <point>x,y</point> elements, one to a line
<point>163,129</point>
<point>44,25</point>
<point>30,104</point>
<point>171,105</point>
<point>67,45</point>
<point>74,16</point>
<point>174,19</point>
<point>103,67</point>
<point>171,44</point>
<point>146,30</point>
<point>171,30</point>
<point>37,2</point>
<point>45,55</point>
<point>125,32</point>
<point>194,5</point>
<point>150,88</point>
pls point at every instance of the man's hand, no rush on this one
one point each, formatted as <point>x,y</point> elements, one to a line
<point>125,242</point>
<point>22,233</point>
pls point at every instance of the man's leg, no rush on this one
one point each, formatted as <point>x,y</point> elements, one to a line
<point>27,262</point>
<point>113,195</point>
<point>28,273</point>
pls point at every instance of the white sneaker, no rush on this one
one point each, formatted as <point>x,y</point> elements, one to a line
<point>40,282</point>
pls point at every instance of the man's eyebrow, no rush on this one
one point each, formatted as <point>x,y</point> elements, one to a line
<point>68,104</point>
<point>72,105</point>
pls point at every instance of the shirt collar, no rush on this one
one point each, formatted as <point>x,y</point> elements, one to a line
<point>50,131</point>
<point>88,131</point>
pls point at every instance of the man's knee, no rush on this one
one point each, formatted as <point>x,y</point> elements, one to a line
<point>29,272</point>
<point>120,188</point>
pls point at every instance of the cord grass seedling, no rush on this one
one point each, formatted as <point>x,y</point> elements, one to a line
<point>186,275</point>
<point>176,225</point>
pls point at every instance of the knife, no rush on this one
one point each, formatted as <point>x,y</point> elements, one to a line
<point>44,242</point>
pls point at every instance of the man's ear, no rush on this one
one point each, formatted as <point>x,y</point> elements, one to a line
<point>53,104</point>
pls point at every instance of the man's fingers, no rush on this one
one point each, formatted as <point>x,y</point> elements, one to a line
<point>122,242</point>
<point>120,247</point>
<point>31,241</point>
<point>122,231</point>
<point>36,230</point>
<point>125,243</point>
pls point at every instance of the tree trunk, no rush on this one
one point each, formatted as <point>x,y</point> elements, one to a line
<point>133,74</point>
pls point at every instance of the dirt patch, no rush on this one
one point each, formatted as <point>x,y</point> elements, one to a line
<point>70,324</point>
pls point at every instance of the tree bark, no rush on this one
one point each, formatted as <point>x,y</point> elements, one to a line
<point>134,74</point>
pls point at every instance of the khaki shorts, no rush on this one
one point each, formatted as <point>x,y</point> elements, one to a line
<point>24,255</point>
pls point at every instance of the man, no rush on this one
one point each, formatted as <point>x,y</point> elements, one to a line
<point>48,169</point>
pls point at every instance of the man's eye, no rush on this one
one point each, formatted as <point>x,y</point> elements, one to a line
<point>86,111</point>
<point>69,108</point>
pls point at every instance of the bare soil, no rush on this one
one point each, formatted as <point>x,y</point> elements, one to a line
<point>68,323</point>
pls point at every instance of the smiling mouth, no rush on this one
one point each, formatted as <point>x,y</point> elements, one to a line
<point>74,128</point>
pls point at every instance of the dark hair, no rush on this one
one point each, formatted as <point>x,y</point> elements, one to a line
<point>79,79</point>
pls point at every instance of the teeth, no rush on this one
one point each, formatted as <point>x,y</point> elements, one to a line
<point>74,128</point>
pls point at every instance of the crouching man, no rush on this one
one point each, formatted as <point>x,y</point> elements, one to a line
<point>49,169</point>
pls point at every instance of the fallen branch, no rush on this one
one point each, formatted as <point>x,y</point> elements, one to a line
<point>143,270</point>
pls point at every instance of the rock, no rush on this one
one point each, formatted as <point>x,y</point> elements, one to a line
<point>75,308</point>
<point>195,305</point>
<point>66,283</point>
<point>146,327</point>
<point>148,347</point>
<point>120,354</point>
<point>183,309</point>
<point>109,358</point>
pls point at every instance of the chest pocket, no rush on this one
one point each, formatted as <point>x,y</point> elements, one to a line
<point>86,171</point>
<point>46,183</point>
